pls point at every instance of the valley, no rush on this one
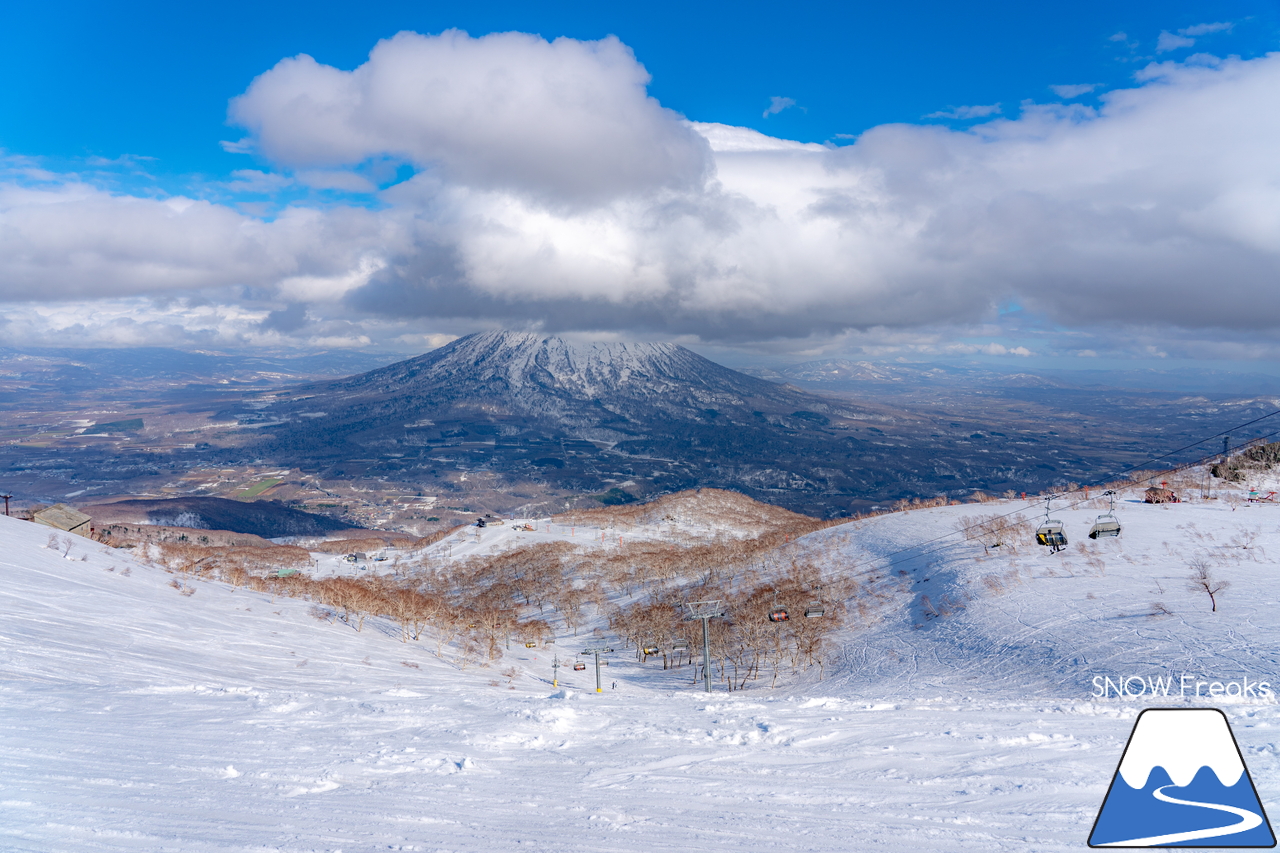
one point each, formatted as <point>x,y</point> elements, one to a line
<point>504,423</point>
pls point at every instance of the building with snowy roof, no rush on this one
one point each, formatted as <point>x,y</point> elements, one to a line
<point>63,517</point>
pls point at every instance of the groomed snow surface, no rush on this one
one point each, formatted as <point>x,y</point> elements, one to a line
<point>139,716</point>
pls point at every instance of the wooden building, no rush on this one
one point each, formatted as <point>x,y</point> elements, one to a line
<point>63,517</point>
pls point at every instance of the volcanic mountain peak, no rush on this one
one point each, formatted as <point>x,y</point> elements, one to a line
<point>511,365</point>
<point>522,358</point>
<point>540,411</point>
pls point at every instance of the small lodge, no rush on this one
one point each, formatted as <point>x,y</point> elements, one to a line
<point>1157,495</point>
<point>63,517</point>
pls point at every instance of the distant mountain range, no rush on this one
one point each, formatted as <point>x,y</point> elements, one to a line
<point>839,373</point>
<point>53,376</point>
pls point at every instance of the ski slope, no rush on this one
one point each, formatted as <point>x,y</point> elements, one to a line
<point>134,717</point>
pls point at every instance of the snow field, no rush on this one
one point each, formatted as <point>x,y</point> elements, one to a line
<point>134,717</point>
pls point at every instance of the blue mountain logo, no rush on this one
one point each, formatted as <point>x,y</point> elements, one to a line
<point>1182,782</point>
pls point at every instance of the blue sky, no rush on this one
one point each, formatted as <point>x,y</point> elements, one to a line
<point>976,157</point>
<point>153,79</point>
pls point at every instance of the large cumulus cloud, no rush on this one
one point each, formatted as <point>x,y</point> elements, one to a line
<point>564,121</point>
<point>70,240</point>
<point>552,190</point>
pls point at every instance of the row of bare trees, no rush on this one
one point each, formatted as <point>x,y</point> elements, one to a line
<point>472,609</point>
<point>744,644</point>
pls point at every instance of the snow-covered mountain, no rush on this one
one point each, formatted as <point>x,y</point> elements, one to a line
<point>585,417</point>
<point>548,377</point>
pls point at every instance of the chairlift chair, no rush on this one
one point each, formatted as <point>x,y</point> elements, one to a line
<point>649,651</point>
<point>530,644</point>
<point>1107,525</point>
<point>1050,532</point>
<point>680,646</point>
<point>814,610</point>
<point>579,666</point>
<point>779,614</point>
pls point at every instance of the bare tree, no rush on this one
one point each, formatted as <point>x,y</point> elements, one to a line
<point>995,530</point>
<point>1202,580</point>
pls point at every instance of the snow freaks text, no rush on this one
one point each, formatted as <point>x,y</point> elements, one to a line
<point>1183,686</point>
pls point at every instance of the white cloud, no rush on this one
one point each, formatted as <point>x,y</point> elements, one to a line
<point>256,181</point>
<point>1206,29</point>
<point>239,146</point>
<point>726,138</point>
<point>1169,41</point>
<point>1121,36</point>
<point>73,241</point>
<point>986,349</point>
<point>563,121</point>
<point>1160,209</point>
<point>967,112</point>
<point>1073,90</point>
<point>1186,37</point>
<point>776,105</point>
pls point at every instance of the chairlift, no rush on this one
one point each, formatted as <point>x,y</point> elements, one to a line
<point>1106,525</point>
<point>680,646</point>
<point>815,608</point>
<point>579,666</point>
<point>530,644</point>
<point>779,614</point>
<point>1050,532</point>
<point>649,651</point>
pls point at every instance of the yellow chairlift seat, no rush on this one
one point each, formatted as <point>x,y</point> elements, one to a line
<point>1050,533</point>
